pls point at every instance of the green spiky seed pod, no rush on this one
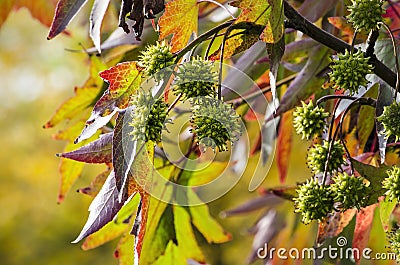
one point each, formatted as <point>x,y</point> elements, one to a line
<point>318,154</point>
<point>350,191</point>
<point>214,123</point>
<point>314,201</point>
<point>393,238</point>
<point>148,117</point>
<point>309,120</point>
<point>155,58</point>
<point>390,120</point>
<point>196,79</point>
<point>349,71</point>
<point>365,14</point>
<point>392,184</point>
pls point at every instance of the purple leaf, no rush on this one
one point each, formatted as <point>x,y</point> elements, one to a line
<point>94,122</point>
<point>385,98</point>
<point>265,230</point>
<point>123,151</point>
<point>98,151</point>
<point>266,200</point>
<point>65,12</point>
<point>314,9</point>
<point>275,53</point>
<point>117,38</point>
<point>102,209</point>
<point>306,83</point>
<point>96,17</point>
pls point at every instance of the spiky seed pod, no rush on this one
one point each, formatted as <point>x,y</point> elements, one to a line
<point>148,117</point>
<point>390,120</point>
<point>309,120</point>
<point>392,183</point>
<point>314,201</point>
<point>318,154</point>
<point>349,71</point>
<point>214,123</point>
<point>365,14</point>
<point>196,78</point>
<point>155,58</point>
<point>393,238</point>
<point>350,191</point>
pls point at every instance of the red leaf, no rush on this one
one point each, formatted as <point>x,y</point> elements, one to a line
<point>65,12</point>
<point>363,228</point>
<point>284,145</point>
<point>124,79</point>
<point>392,13</point>
<point>98,151</point>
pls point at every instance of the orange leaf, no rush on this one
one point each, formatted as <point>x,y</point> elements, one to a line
<point>266,22</point>
<point>42,10</point>
<point>5,8</point>
<point>124,79</point>
<point>334,225</point>
<point>180,19</point>
<point>363,228</point>
<point>284,145</point>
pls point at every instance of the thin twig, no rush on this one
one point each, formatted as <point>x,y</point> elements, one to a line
<point>209,46</point>
<point>239,101</point>
<point>221,63</point>
<point>220,5</point>
<point>396,57</point>
<point>298,22</point>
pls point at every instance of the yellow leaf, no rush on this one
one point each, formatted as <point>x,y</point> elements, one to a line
<point>83,98</point>
<point>180,19</point>
<point>185,236</point>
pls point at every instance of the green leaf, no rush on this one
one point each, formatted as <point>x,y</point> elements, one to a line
<point>172,255</point>
<point>185,236</point>
<point>203,174</point>
<point>375,175</point>
<point>107,233</point>
<point>160,230</point>
<point>205,223</point>
<point>386,208</point>
<point>366,118</point>
<point>124,252</point>
<point>274,29</point>
<point>127,210</point>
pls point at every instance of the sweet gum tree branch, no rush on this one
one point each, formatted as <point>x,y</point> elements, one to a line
<point>298,22</point>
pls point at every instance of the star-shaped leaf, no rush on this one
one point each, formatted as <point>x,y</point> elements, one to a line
<point>180,19</point>
<point>124,79</point>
